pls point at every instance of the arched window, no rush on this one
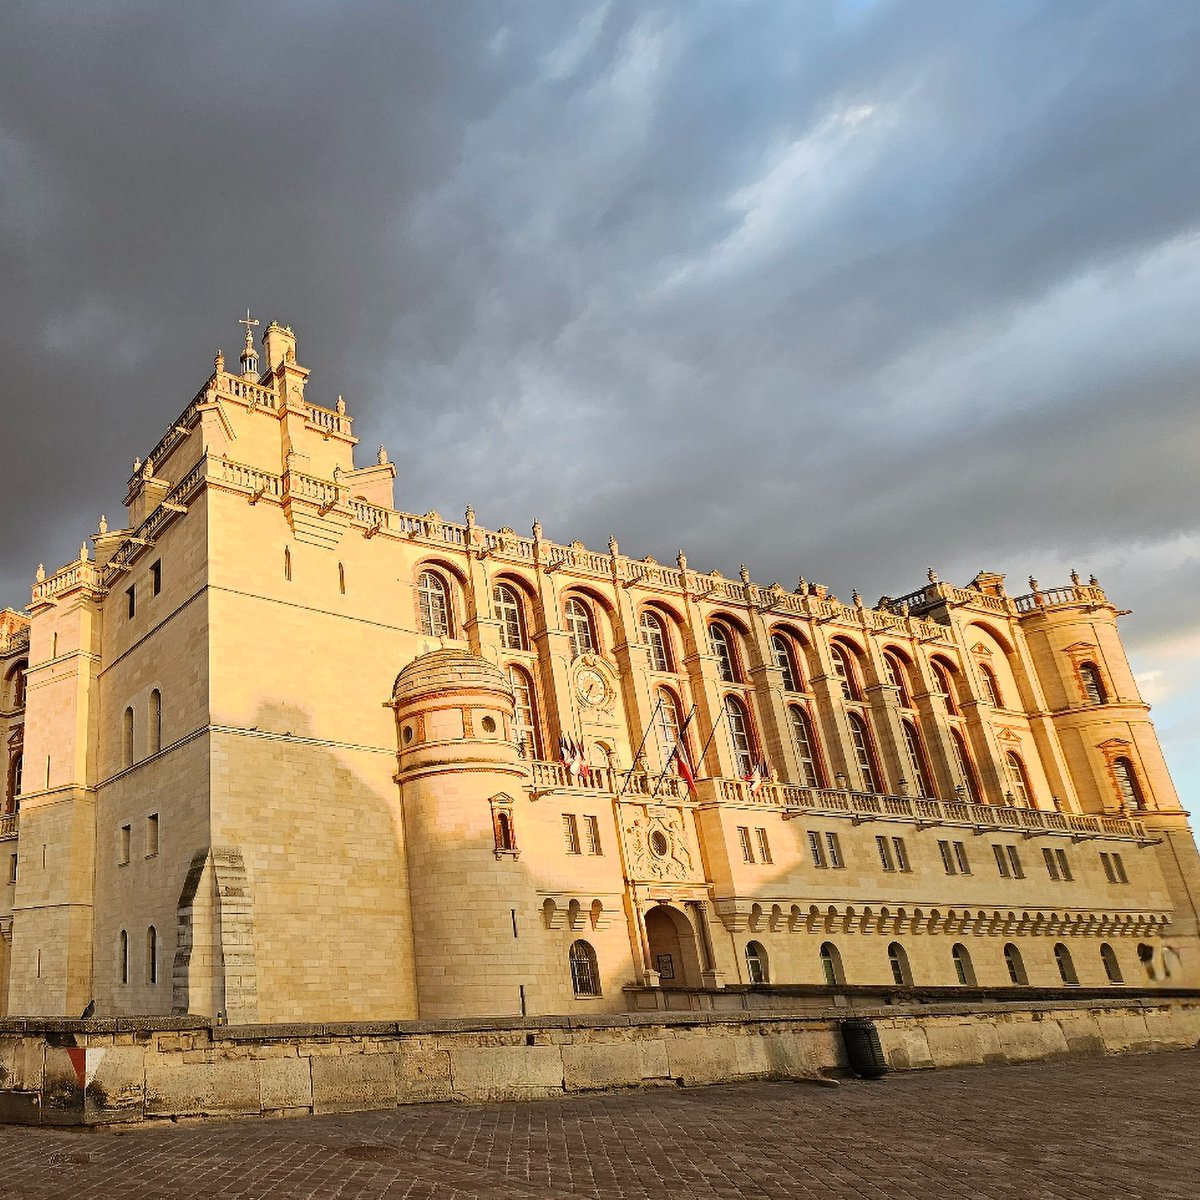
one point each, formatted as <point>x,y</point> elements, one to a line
<point>756,963</point>
<point>806,747</point>
<point>945,684</point>
<point>654,638</point>
<point>1018,780</point>
<point>151,955</point>
<point>123,957</point>
<point>17,676</point>
<point>526,732</point>
<point>1093,685</point>
<point>721,640</point>
<point>585,971</point>
<point>897,677</point>
<point>504,832</point>
<point>831,965</point>
<point>433,598</point>
<point>843,668</point>
<point>155,721</point>
<point>1066,968</point>
<point>580,626</point>
<point>963,966</point>
<point>667,722</point>
<point>127,739</point>
<point>1112,968</point>
<point>916,759</point>
<point>740,740</point>
<point>966,767</point>
<point>863,753</point>
<point>898,961</point>
<point>1127,784</point>
<point>12,803</point>
<point>785,660</point>
<point>1016,965</point>
<point>510,612</point>
<point>991,687</point>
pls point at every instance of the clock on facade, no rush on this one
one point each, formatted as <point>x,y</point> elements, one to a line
<point>591,686</point>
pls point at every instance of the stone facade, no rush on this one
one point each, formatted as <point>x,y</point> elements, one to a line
<point>291,754</point>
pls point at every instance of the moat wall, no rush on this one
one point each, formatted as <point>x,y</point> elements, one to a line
<point>102,1072</point>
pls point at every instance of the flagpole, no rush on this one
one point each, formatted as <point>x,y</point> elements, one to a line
<point>674,751</point>
<point>641,747</point>
<point>712,734</point>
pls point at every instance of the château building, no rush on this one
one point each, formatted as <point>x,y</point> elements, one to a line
<point>276,750</point>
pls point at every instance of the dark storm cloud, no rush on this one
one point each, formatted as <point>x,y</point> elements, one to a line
<point>841,289</point>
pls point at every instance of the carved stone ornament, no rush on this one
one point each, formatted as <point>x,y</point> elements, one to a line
<point>656,844</point>
<point>594,684</point>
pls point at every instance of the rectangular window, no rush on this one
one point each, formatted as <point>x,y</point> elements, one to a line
<point>947,858</point>
<point>834,847</point>
<point>12,869</point>
<point>1014,861</point>
<point>816,849</point>
<point>744,839</point>
<point>1051,865</point>
<point>1119,869</point>
<point>1001,861</point>
<point>152,835</point>
<point>131,599</point>
<point>885,854</point>
<point>156,577</point>
<point>1106,863</point>
<point>901,853</point>
<point>571,833</point>
<point>1064,867</point>
<point>764,847</point>
<point>123,845</point>
<point>591,827</point>
<point>960,857</point>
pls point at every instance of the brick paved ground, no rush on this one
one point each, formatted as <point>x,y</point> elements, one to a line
<point>1112,1128</point>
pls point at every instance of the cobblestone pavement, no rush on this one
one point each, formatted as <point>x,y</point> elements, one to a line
<point>1112,1128</point>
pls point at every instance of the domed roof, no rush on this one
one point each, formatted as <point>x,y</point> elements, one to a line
<point>449,670</point>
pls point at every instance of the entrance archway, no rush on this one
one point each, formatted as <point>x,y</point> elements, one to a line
<point>673,951</point>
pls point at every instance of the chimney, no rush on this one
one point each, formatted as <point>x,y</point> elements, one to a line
<point>280,343</point>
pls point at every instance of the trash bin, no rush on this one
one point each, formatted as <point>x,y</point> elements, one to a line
<point>863,1048</point>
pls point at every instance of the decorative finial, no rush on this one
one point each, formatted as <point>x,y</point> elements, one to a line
<point>382,457</point>
<point>340,406</point>
<point>613,546</point>
<point>148,469</point>
<point>904,608</point>
<point>470,515</point>
<point>1075,578</point>
<point>744,572</point>
<point>249,355</point>
<point>137,465</point>
<point>931,575</point>
<point>102,528</point>
<point>1093,582</point>
<point>801,586</point>
<point>219,360</point>
<point>537,531</point>
<point>83,552</point>
<point>1033,584</point>
<point>856,598</point>
<point>41,573</point>
<point>681,559</point>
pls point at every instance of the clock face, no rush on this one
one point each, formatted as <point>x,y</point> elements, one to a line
<point>591,686</point>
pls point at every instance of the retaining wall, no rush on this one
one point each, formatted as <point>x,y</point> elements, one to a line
<point>100,1072</point>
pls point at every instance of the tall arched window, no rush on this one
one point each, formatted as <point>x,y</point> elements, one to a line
<point>525,720</point>
<point>804,739</point>
<point>17,675</point>
<point>12,803</point>
<point>1127,784</point>
<point>785,660</point>
<point>151,955</point>
<point>897,677</point>
<point>898,961</point>
<point>945,682</point>
<point>991,686</point>
<point>1112,968</point>
<point>864,755</point>
<point>1016,966</point>
<point>756,963</point>
<point>963,967</point>
<point>831,965</point>
<point>966,767</point>
<point>504,832</point>
<point>654,638</point>
<point>721,640</point>
<point>433,598</point>
<point>580,626</point>
<point>123,957</point>
<point>585,971</point>
<point>667,722</point>
<point>1093,685</point>
<point>1018,780</point>
<point>510,612</point>
<point>155,721</point>
<point>843,668</point>
<point>127,739</point>
<point>1066,966</point>
<point>740,740</point>
<point>916,759</point>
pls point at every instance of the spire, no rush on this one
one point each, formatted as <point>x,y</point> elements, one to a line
<point>249,354</point>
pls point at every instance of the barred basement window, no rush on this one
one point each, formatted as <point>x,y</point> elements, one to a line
<point>585,971</point>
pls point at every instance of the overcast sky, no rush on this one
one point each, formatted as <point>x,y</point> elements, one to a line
<point>834,289</point>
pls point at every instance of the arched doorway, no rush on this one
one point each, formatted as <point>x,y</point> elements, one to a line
<point>673,952</point>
